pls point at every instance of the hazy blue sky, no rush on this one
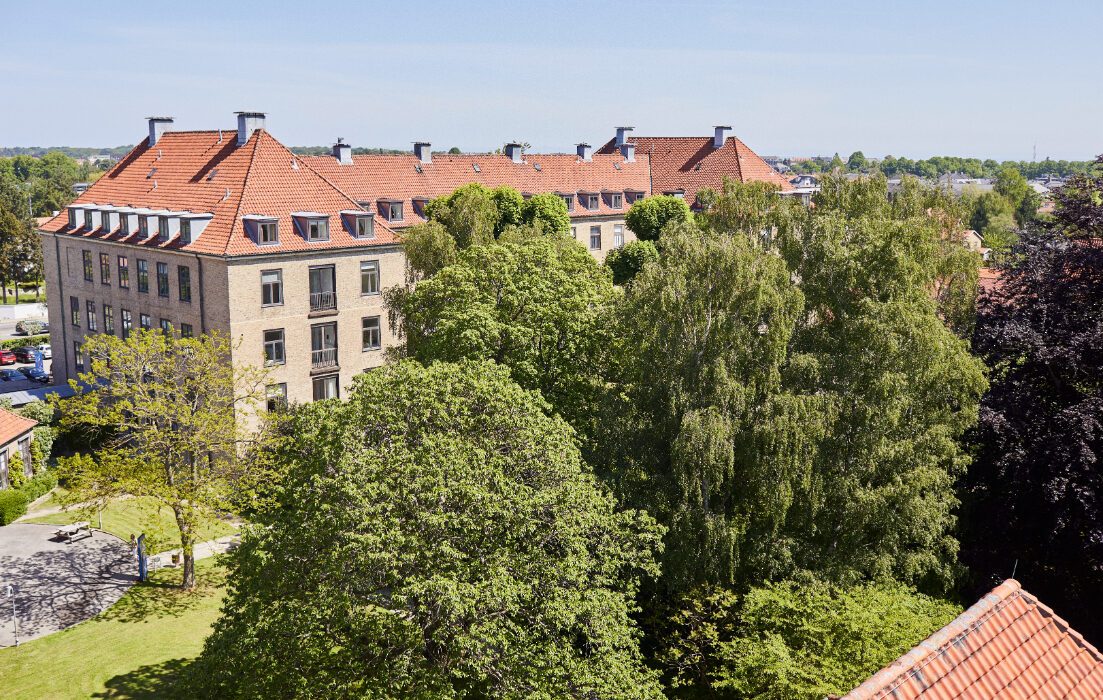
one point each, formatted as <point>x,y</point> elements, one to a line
<point>908,78</point>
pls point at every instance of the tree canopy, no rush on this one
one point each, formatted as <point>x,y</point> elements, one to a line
<point>438,536</point>
<point>648,217</point>
<point>627,261</point>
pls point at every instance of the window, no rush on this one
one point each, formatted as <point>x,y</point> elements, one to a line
<point>323,345</point>
<point>126,323</point>
<point>108,319</point>
<point>369,277</point>
<point>634,197</point>
<point>183,278</point>
<point>616,200</point>
<point>124,272</point>
<point>162,279</point>
<point>124,225</point>
<point>78,356</point>
<point>393,211</point>
<point>372,336</point>
<point>618,236</point>
<point>323,288</point>
<point>143,226</point>
<point>88,219</point>
<point>90,306</point>
<point>163,228</point>
<point>166,326</point>
<point>87,257</point>
<point>185,229</point>
<point>185,330</point>
<point>273,347</point>
<point>276,397</point>
<point>105,268</point>
<point>25,452</point>
<point>143,276</point>
<point>269,232</point>
<point>325,387</point>
<point>595,238</point>
<point>5,478</point>
<point>574,232</point>
<point>72,218</point>
<point>317,230</point>
<point>592,201</point>
<point>569,201</point>
<point>144,322</point>
<point>74,311</point>
<point>365,227</point>
<point>271,287</point>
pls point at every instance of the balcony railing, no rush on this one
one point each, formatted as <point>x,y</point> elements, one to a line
<point>321,301</point>
<point>327,357</point>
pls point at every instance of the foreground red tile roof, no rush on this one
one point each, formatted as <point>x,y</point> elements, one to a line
<point>206,171</point>
<point>692,163</point>
<point>13,425</point>
<point>371,178</point>
<point>1008,645</point>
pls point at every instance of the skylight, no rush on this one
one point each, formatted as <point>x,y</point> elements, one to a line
<point>475,166</point>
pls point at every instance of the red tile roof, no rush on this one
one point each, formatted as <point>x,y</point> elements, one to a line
<point>1007,646</point>
<point>13,426</point>
<point>692,163</point>
<point>373,178</point>
<point>206,171</point>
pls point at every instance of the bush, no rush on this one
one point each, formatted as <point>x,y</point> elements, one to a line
<point>20,342</point>
<point>13,506</point>
<point>17,471</point>
<point>39,485</point>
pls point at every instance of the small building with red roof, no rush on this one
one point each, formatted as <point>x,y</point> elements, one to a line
<point>1008,645</point>
<point>16,433</point>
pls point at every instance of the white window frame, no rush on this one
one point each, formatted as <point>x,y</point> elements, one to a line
<point>372,267</point>
<point>618,235</point>
<point>277,286</point>
<point>278,356</point>
<point>317,230</point>
<point>265,226</point>
<point>374,326</point>
<point>595,231</point>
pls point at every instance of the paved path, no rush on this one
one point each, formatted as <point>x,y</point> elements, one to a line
<point>58,584</point>
<point>202,550</point>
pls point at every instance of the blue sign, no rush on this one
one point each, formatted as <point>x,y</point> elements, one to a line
<point>142,570</point>
<point>38,361</point>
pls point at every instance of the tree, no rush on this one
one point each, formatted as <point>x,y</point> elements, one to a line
<point>173,417</point>
<point>794,639</point>
<point>857,162</point>
<point>454,151</point>
<point>537,306</point>
<point>1034,495</point>
<point>1011,184</point>
<point>648,217</point>
<point>627,261</point>
<point>20,251</point>
<point>547,212</point>
<point>438,536</point>
<point>469,214</point>
<point>429,247</point>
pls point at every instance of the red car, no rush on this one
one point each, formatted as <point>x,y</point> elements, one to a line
<point>7,357</point>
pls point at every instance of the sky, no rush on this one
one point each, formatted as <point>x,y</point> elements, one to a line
<point>971,78</point>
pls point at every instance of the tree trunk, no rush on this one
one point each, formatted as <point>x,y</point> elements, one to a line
<point>187,546</point>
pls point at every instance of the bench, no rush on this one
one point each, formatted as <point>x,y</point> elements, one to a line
<point>76,531</point>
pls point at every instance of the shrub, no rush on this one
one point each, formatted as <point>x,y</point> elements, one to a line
<point>39,485</point>
<point>17,474</point>
<point>20,342</point>
<point>13,505</point>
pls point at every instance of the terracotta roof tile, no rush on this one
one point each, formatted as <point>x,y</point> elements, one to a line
<point>692,163</point>
<point>13,425</point>
<point>373,178</point>
<point>1008,645</point>
<point>206,171</point>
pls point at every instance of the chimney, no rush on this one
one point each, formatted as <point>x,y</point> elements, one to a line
<point>584,152</point>
<point>424,152</point>
<point>342,152</point>
<point>158,126</point>
<point>247,123</point>
<point>720,136</point>
<point>628,150</point>
<point>622,135</point>
<point>513,150</point>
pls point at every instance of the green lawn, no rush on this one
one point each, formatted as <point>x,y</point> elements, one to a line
<point>132,650</point>
<point>128,516</point>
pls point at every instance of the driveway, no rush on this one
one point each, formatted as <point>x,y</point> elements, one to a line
<point>58,584</point>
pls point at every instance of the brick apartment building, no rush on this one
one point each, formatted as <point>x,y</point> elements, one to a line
<point>197,231</point>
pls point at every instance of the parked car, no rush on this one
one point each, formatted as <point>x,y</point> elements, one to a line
<point>46,352</point>
<point>11,375</point>
<point>7,357</point>
<point>26,353</point>
<point>35,375</point>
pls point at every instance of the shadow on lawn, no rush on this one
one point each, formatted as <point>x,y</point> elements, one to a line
<point>164,680</point>
<point>163,597</point>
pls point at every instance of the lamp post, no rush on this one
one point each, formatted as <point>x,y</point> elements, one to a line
<point>14,619</point>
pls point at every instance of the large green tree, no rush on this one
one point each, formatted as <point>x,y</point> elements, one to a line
<point>537,305</point>
<point>648,217</point>
<point>438,536</point>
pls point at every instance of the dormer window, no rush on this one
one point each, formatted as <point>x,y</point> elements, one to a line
<point>420,203</point>
<point>124,224</point>
<point>633,196</point>
<point>185,229</point>
<point>312,226</point>
<point>317,230</point>
<point>143,226</point>
<point>72,218</point>
<point>391,209</point>
<point>365,227</point>
<point>616,200</point>
<point>87,219</point>
<point>590,200</point>
<point>163,228</point>
<point>568,199</point>
<point>268,232</point>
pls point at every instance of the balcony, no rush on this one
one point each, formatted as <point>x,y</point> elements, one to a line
<point>326,357</point>
<point>323,301</point>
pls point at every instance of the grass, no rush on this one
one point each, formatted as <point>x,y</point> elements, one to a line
<point>131,516</point>
<point>132,650</point>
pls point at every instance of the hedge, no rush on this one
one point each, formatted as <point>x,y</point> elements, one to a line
<point>13,505</point>
<point>20,342</point>
<point>39,485</point>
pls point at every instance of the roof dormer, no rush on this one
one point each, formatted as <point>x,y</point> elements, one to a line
<point>359,223</point>
<point>314,227</point>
